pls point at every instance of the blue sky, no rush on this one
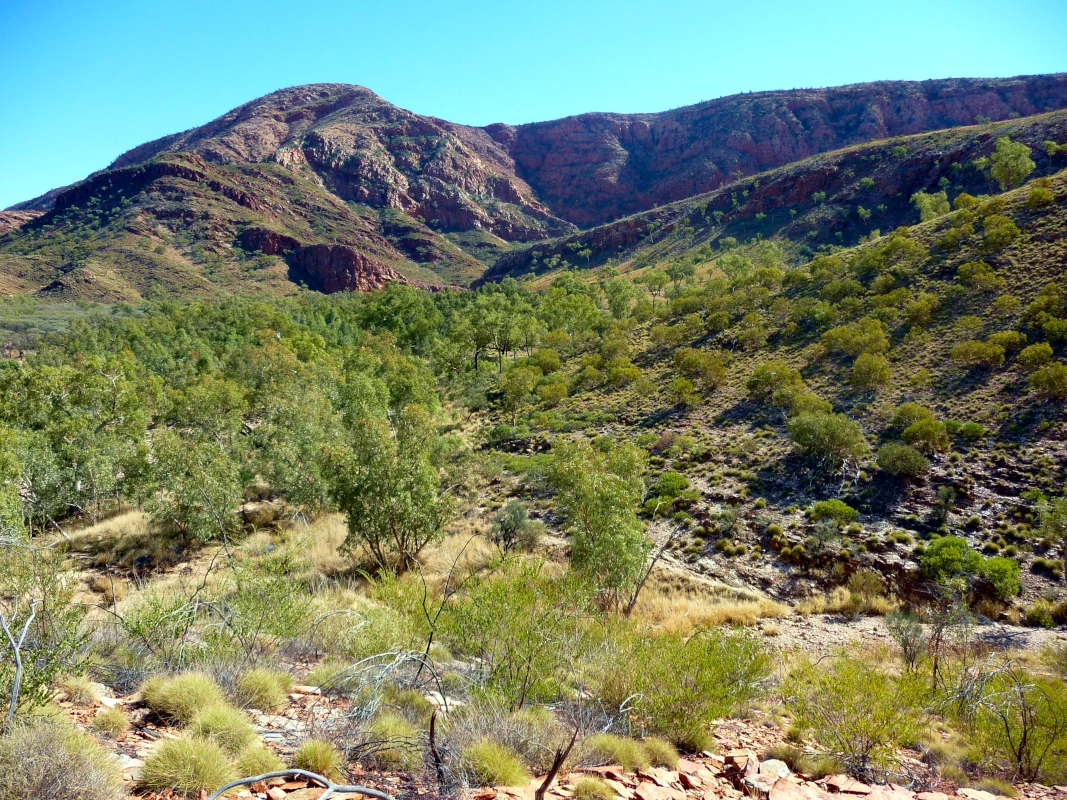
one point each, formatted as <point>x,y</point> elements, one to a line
<point>80,81</point>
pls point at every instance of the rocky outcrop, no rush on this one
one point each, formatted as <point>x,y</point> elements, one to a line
<point>340,268</point>
<point>9,220</point>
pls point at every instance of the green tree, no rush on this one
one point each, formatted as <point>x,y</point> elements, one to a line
<point>931,206</point>
<point>1010,163</point>
<point>600,492</point>
<point>833,440</point>
<point>656,280</point>
<point>385,480</point>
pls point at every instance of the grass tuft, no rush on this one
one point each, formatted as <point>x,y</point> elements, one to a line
<point>395,742</point>
<point>489,763</point>
<point>53,760</point>
<point>610,748</point>
<point>111,722</point>
<point>182,697</point>
<point>79,690</point>
<point>590,788</point>
<point>187,766</point>
<point>662,753</point>
<point>257,759</point>
<point>226,726</point>
<point>263,689</point>
<point>316,755</point>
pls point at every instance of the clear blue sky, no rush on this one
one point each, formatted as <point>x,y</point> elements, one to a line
<point>82,81</point>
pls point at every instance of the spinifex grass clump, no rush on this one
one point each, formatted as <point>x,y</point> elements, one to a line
<point>178,699</point>
<point>187,766</point>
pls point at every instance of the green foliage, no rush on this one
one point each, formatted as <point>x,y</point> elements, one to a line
<point>1010,163</point>
<point>901,459</point>
<point>770,377</point>
<point>111,722</point>
<point>838,511</point>
<point>1003,573</point>
<point>491,764</point>
<point>512,527</point>
<point>685,684</point>
<point>856,711</point>
<point>907,414</point>
<point>950,557</point>
<point>1050,382</point>
<point>979,276</point>
<point>55,761</point>
<point>930,206</point>
<point>927,435</point>
<point>521,625</point>
<point>870,371</point>
<point>386,482</point>
<point>670,484</point>
<point>973,354</point>
<point>599,493</point>
<point>187,766</point>
<point>833,440</point>
<point>1000,231</point>
<point>703,365</point>
<point>589,788</point>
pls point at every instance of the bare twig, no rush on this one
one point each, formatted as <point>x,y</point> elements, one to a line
<point>557,762</point>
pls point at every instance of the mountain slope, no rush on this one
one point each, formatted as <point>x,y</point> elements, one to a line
<point>391,194</point>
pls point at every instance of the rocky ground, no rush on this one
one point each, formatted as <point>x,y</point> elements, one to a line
<point>732,769</point>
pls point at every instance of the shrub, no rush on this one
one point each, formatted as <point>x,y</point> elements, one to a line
<point>870,371</point>
<point>1035,356</point>
<point>831,439</point>
<point>972,431</point>
<point>662,753</point>
<point>111,722</point>
<point>671,484</point>
<point>225,726</point>
<point>512,527</point>
<point>258,759</point>
<point>1003,573</point>
<point>491,764</point>
<point>552,394</point>
<point>907,414</point>
<point>950,557</point>
<point>187,766</point>
<point>54,761</point>
<point>182,697</point>
<point>589,788</point>
<point>857,712</point>
<point>999,231</point>
<point>980,276</point>
<point>837,510</point>
<point>684,393</point>
<point>927,435</point>
<point>706,367</point>
<point>901,459</point>
<point>316,755</point>
<point>1040,196</point>
<point>685,684</point>
<point>769,377</point>
<point>263,689</point>
<point>973,354</point>
<point>1050,382</point>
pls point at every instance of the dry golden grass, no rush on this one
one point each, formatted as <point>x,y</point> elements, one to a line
<point>842,601</point>
<point>319,542</point>
<point>465,551</point>
<point>680,602</point>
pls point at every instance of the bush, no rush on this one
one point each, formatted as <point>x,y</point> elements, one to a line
<point>187,766</point>
<point>512,527</point>
<point>1035,356</point>
<point>263,689</point>
<point>1011,341</point>
<point>1050,382</point>
<point>769,377</point>
<point>837,510</point>
<point>53,761</point>
<point>316,755</point>
<point>901,459</point>
<point>855,711</point>
<point>831,439</point>
<point>670,484</point>
<point>870,371</point>
<point>610,748</point>
<point>181,698</point>
<point>79,690</point>
<point>225,726</point>
<point>111,722</point>
<point>1040,196</point>
<point>491,764</point>
<point>950,557</point>
<point>257,759</point>
<point>907,414</point>
<point>1003,573</point>
<point>973,354</point>
<point>980,276</point>
<point>999,231</point>
<point>685,684</point>
<point>927,435</point>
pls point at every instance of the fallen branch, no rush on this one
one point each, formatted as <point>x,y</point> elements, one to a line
<point>557,762</point>
<point>331,787</point>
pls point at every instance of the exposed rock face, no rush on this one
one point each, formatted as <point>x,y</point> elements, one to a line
<point>593,168</point>
<point>366,150</point>
<point>9,220</point>
<point>339,268</point>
